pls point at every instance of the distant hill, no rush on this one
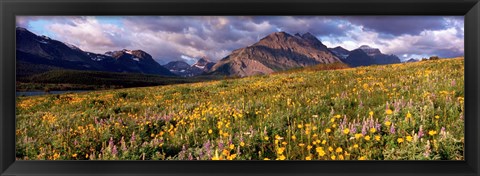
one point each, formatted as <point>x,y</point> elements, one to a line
<point>412,60</point>
<point>366,55</point>
<point>340,52</point>
<point>276,52</point>
<point>183,69</point>
<point>43,54</point>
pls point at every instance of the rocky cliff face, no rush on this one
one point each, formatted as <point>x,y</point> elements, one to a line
<point>276,52</point>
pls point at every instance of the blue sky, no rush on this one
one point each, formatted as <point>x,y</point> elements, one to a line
<point>169,38</point>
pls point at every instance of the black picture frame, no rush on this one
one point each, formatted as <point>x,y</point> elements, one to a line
<point>11,8</point>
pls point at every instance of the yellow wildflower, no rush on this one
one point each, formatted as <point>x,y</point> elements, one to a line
<point>408,115</point>
<point>373,130</point>
<point>328,130</point>
<point>389,111</point>
<point>339,150</point>
<point>231,157</point>
<point>400,140</point>
<point>432,132</point>
<point>367,138</point>
<point>409,138</point>
<point>242,143</point>
<point>377,137</point>
<point>346,131</point>
<point>358,135</point>
<point>388,123</point>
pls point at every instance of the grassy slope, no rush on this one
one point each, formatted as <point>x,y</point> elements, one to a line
<point>61,79</point>
<point>362,113</point>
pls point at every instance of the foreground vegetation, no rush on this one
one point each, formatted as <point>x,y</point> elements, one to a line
<point>411,111</point>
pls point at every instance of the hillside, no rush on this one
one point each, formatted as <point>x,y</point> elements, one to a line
<point>278,51</point>
<point>386,112</point>
<point>59,79</point>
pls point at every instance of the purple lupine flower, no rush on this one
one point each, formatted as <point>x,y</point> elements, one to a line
<point>110,142</point>
<point>420,132</point>
<point>453,83</point>
<point>133,137</point>
<point>395,106</point>
<point>354,129</point>
<point>207,148</point>
<point>364,128</point>
<point>220,145</point>
<point>200,155</point>
<point>190,157</point>
<point>75,142</point>
<point>442,132</point>
<point>114,150</point>
<point>427,149</point>
<point>392,129</point>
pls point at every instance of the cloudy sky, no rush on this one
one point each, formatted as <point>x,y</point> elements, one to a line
<point>169,38</point>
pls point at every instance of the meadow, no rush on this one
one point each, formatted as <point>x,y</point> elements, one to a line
<point>408,111</point>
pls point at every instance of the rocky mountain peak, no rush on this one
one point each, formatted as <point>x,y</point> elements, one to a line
<point>369,50</point>
<point>275,52</point>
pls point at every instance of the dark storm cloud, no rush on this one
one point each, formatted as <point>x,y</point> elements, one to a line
<point>169,38</point>
<point>398,25</point>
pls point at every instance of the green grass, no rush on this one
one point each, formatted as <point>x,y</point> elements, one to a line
<point>61,79</point>
<point>300,115</point>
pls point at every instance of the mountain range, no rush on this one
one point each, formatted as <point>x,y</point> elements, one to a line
<point>277,51</point>
<point>184,69</point>
<point>37,54</point>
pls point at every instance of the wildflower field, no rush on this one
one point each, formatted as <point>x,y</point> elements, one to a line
<point>408,111</point>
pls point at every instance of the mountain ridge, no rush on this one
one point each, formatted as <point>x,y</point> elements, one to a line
<point>43,52</point>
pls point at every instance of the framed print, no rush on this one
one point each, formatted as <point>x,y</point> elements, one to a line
<point>239,87</point>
